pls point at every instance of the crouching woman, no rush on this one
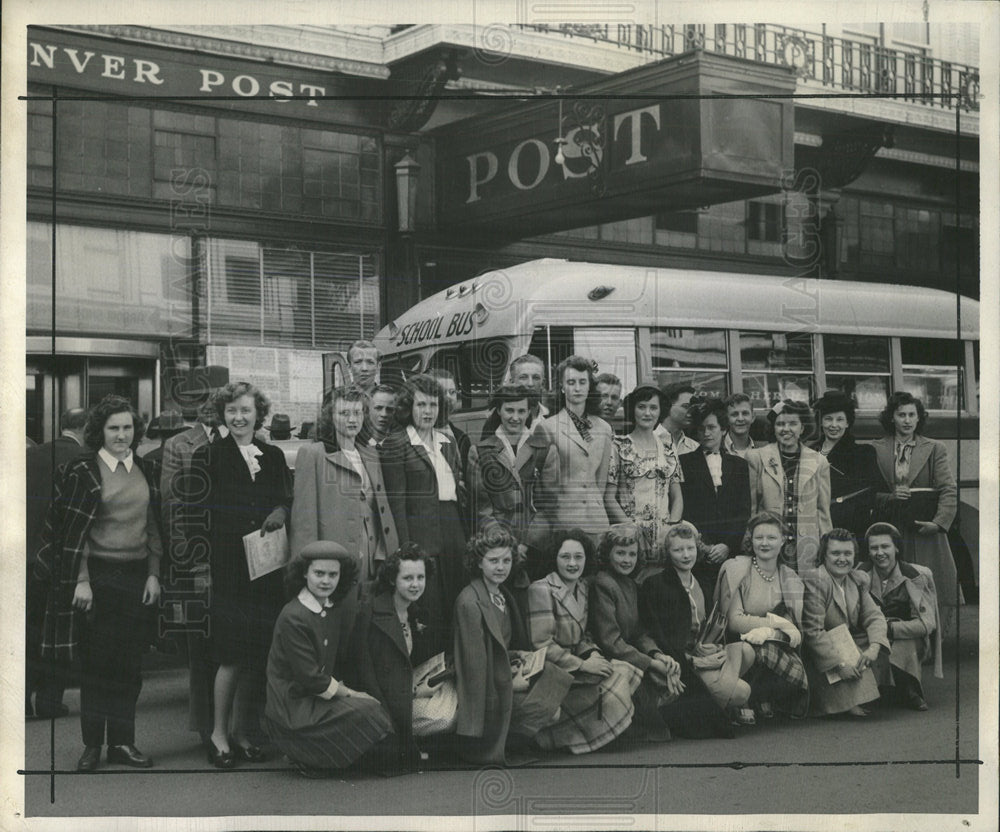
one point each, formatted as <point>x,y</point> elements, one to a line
<point>488,627</point>
<point>317,721</point>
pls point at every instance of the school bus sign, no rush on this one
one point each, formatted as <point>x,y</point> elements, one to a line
<point>689,131</point>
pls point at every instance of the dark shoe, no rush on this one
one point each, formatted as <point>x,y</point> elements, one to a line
<point>250,753</point>
<point>45,713</point>
<point>219,759</point>
<point>90,759</point>
<point>766,710</point>
<point>128,755</point>
<point>916,703</point>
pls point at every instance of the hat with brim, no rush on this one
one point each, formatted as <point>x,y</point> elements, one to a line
<point>168,423</point>
<point>280,423</point>
<point>325,550</point>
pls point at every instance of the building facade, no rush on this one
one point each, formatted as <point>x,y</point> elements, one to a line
<point>259,196</point>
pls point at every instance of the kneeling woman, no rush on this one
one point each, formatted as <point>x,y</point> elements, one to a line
<point>599,706</point>
<point>614,621</point>
<point>838,595</point>
<point>488,625</point>
<point>762,601</point>
<point>906,594</point>
<point>319,722</point>
<point>672,606</point>
<point>389,640</point>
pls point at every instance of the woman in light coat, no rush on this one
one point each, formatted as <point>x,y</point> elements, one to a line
<point>792,481</point>
<point>575,446</point>
<point>919,496</point>
<point>339,493</point>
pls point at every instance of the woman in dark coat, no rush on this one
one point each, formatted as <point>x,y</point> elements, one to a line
<point>312,716</point>
<point>427,497</point>
<point>389,641</point>
<point>672,613</point>
<point>488,627</point>
<point>854,476</point>
<point>618,632</point>
<point>246,487</point>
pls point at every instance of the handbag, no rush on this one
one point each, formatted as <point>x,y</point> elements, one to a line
<point>437,713</point>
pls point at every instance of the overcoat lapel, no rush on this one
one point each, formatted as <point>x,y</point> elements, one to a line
<point>384,617</point>
<point>918,458</point>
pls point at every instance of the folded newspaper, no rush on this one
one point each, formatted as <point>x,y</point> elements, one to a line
<point>265,554</point>
<point>430,674</point>
<point>847,651</point>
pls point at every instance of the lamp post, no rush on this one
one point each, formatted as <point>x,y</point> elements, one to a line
<point>407,172</point>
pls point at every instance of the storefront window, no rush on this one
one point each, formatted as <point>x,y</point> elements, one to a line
<point>290,296</point>
<point>109,281</point>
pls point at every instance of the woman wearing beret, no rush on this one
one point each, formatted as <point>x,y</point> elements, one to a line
<point>313,717</point>
<point>854,476</point>
<point>792,481</point>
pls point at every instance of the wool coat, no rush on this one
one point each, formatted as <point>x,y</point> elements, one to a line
<point>853,468</point>
<point>329,502</point>
<point>502,490</point>
<point>824,609</point>
<point>380,664</point>
<point>76,501</point>
<point>767,493</point>
<point>930,467</point>
<point>574,475</point>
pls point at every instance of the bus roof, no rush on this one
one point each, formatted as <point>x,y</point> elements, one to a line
<point>564,293</point>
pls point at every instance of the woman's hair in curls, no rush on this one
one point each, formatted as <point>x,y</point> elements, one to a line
<point>896,401</point>
<point>422,383</point>
<point>295,577</point>
<point>492,536</point>
<point>507,393</point>
<point>761,518</point>
<point>236,390</point>
<point>642,393</point>
<point>681,531</point>
<point>842,535</point>
<point>581,537</point>
<point>97,418</point>
<point>621,534</point>
<point>349,393</point>
<point>592,407</point>
<point>388,571</point>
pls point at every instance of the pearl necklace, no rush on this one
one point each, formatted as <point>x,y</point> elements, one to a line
<point>760,571</point>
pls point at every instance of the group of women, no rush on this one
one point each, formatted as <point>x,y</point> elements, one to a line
<point>407,555</point>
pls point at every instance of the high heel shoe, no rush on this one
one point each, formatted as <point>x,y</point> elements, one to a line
<point>217,758</point>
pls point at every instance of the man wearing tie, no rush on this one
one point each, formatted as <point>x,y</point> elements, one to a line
<point>716,490</point>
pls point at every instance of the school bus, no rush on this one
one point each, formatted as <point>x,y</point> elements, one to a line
<point>770,337</point>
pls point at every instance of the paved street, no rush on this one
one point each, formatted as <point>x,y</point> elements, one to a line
<point>895,761</point>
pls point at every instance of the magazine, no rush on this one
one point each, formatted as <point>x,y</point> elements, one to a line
<point>265,554</point>
<point>846,649</point>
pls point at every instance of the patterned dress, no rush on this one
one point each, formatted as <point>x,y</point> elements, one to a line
<point>643,483</point>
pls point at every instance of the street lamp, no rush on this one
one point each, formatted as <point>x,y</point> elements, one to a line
<point>407,172</point>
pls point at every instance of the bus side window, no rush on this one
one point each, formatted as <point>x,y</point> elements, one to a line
<point>932,371</point>
<point>557,338</point>
<point>859,365</point>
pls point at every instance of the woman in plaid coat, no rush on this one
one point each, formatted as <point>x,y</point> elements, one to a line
<point>100,556</point>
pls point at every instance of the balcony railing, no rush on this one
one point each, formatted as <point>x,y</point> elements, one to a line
<point>836,62</point>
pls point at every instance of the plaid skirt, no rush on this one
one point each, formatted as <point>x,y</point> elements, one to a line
<point>785,664</point>
<point>593,714</point>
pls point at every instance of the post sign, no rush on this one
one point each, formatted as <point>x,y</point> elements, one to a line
<point>121,68</point>
<point>686,132</point>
